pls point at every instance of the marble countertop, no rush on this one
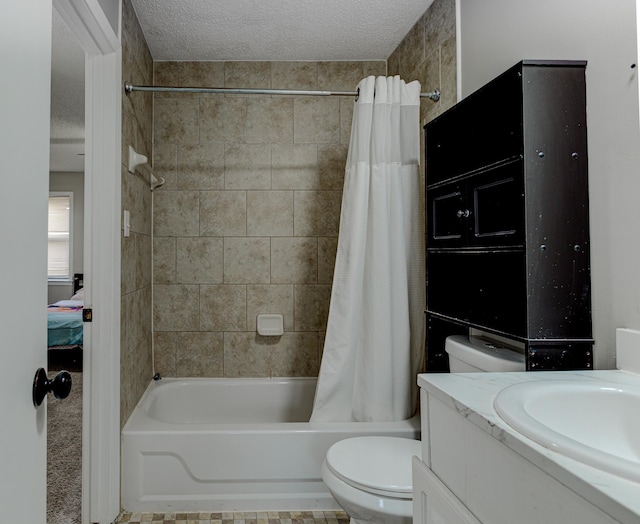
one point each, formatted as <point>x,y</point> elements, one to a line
<point>472,395</point>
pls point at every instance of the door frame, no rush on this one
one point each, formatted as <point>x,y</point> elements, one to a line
<point>101,392</point>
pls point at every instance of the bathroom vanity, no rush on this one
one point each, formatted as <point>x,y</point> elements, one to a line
<point>476,468</point>
<point>507,219</point>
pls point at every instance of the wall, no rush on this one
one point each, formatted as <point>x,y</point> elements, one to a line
<point>111,9</point>
<point>428,54</point>
<point>137,125</point>
<point>496,34</point>
<point>247,220</point>
<point>73,182</point>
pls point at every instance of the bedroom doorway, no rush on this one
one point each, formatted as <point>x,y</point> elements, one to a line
<point>65,274</point>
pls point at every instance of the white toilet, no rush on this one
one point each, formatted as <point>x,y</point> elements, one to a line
<point>477,355</point>
<point>370,477</point>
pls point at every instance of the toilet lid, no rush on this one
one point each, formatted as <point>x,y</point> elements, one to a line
<point>375,464</point>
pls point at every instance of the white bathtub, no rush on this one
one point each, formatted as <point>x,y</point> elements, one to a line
<point>232,444</point>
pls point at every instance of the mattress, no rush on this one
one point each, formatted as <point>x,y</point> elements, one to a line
<point>64,323</point>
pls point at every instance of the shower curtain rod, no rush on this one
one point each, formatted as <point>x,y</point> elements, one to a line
<point>130,88</point>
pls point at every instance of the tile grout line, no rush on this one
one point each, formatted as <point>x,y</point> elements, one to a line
<point>237,517</point>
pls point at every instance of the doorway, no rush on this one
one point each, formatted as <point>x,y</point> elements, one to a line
<point>95,27</point>
<point>66,261</point>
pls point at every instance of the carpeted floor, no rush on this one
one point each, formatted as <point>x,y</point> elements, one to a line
<point>64,455</point>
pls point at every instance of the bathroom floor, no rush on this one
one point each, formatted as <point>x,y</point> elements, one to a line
<point>237,517</point>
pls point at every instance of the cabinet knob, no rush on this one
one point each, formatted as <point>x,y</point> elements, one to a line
<point>463,213</point>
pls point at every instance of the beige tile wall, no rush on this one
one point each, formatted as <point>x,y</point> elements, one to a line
<point>247,221</point>
<point>137,131</point>
<point>428,54</point>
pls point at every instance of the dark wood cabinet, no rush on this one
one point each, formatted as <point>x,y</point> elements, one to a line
<point>479,211</point>
<point>507,218</point>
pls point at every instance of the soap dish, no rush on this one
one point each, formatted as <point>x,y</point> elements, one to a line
<point>270,325</point>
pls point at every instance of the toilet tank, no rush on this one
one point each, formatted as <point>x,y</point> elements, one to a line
<point>474,355</point>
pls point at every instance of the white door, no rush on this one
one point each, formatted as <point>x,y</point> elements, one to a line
<point>25,65</point>
<point>25,56</point>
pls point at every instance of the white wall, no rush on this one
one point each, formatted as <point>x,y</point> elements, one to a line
<point>494,35</point>
<point>111,9</point>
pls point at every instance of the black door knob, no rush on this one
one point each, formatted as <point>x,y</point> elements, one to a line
<point>60,386</point>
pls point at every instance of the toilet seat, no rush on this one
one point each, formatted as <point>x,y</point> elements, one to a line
<point>377,465</point>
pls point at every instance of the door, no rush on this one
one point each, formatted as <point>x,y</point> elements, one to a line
<point>25,55</point>
<point>480,211</point>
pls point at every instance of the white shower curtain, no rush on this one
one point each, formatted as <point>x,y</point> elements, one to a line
<point>375,333</point>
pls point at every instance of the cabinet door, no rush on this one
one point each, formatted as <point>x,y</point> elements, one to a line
<point>433,502</point>
<point>496,204</point>
<point>484,210</point>
<point>447,216</point>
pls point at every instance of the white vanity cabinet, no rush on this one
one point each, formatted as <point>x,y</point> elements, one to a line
<point>433,503</point>
<point>474,469</point>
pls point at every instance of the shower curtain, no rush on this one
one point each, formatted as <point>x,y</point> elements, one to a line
<point>375,332</point>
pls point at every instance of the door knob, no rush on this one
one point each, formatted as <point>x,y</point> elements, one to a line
<point>60,386</point>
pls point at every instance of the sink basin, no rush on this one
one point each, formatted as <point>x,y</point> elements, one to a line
<point>595,423</point>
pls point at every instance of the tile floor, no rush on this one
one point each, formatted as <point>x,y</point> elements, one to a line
<point>237,517</point>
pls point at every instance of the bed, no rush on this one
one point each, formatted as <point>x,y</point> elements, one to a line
<point>65,328</point>
<point>64,323</point>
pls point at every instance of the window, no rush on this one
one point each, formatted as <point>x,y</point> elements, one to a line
<point>59,246</point>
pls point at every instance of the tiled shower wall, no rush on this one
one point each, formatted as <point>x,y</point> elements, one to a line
<point>135,284</point>
<point>428,54</point>
<point>247,220</point>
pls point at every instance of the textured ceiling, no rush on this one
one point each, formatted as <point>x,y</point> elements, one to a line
<point>230,30</point>
<point>276,29</point>
<point>67,99</point>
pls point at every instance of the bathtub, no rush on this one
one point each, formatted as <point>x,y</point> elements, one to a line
<point>232,444</point>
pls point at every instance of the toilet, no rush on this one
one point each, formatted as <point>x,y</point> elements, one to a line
<point>370,477</point>
<point>478,355</point>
